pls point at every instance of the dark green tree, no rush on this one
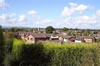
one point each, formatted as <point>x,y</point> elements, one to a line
<point>49,29</point>
<point>14,29</point>
<point>64,29</point>
<point>1,46</point>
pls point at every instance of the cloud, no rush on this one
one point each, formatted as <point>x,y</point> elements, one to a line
<point>39,20</point>
<point>81,8</point>
<point>32,12</point>
<point>22,18</point>
<point>8,18</point>
<point>72,17</point>
<point>43,21</point>
<point>82,21</point>
<point>74,9</point>
<point>98,13</point>
<point>3,17</point>
<point>3,4</point>
<point>68,12</point>
<point>73,4</point>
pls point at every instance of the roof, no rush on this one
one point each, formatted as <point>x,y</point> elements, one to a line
<point>89,37</point>
<point>64,36</point>
<point>60,35</point>
<point>79,38</point>
<point>36,35</point>
<point>44,35</point>
<point>82,37</point>
<point>39,35</point>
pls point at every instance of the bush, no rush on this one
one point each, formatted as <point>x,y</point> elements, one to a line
<point>46,54</point>
<point>17,48</point>
<point>14,50</point>
<point>1,46</point>
<point>8,46</point>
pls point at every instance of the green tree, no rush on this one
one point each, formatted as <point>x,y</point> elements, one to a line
<point>1,46</point>
<point>64,29</point>
<point>14,29</point>
<point>49,29</point>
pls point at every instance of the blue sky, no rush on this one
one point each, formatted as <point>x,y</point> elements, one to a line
<point>57,13</point>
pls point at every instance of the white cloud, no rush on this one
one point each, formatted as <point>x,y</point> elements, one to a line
<point>3,4</point>
<point>32,12</point>
<point>98,13</point>
<point>82,8</point>
<point>13,15</point>
<point>82,21</point>
<point>43,21</point>
<point>73,4</point>
<point>73,18</point>
<point>3,17</point>
<point>8,18</point>
<point>68,12</point>
<point>74,9</point>
<point>22,18</point>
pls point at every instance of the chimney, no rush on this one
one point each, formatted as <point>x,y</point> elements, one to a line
<point>38,29</point>
<point>64,33</point>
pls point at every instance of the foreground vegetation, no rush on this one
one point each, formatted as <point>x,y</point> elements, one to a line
<point>47,54</point>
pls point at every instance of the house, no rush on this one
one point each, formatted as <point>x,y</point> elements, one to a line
<point>33,37</point>
<point>61,37</point>
<point>54,37</point>
<point>97,36</point>
<point>88,39</point>
<point>79,39</point>
<point>72,39</point>
<point>64,37</point>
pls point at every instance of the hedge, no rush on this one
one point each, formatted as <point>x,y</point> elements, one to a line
<point>2,55</point>
<point>47,54</point>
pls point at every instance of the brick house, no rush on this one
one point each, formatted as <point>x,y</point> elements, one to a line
<point>89,39</point>
<point>79,39</point>
<point>33,37</point>
<point>64,37</point>
<point>85,39</point>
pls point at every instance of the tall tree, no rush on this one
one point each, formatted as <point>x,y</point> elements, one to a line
<point>1,46</point>
<point>14,29</point>
<point>64,29</point>
<point>49,29</point>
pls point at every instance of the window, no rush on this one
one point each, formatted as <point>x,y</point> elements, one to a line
<point>31,39</point>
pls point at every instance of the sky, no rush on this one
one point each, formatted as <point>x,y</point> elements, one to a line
<point>82,14</point>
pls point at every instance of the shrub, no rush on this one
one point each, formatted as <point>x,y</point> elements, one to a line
<point>47,54</point>
<point>17,48</point>
<point>1,46</point>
